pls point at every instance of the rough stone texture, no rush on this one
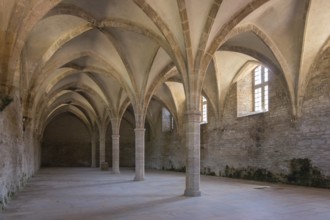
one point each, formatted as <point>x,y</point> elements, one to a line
<point>17,151</point>
<point>260,146</point>
<point>271,140</point>
<point>314,126</point>
<point>126,144</point>
<point>259,140</point>
<point>115,154</point>
<point>108,145</point>
<point>66,142</point>
<point>165,151</point>
<point>70,136</point>
<point>245,95</point>
<point>102,144</point>
<point>57,60</point>
<point>139,154</point>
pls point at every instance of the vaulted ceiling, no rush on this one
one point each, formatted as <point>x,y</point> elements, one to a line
<point>94,58</point>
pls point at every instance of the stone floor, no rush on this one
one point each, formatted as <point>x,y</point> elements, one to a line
<point>86,193</point>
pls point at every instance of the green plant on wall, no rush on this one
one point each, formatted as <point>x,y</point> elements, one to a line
<point>4,102</point>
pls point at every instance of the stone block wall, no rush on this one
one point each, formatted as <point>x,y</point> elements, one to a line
<point>270,146</point>
<point>314,126</point>
<point>265,146</point>
<point>245,95</point>
<point>165,152</point>
<point>18,151</point>
<point>66,142</point>
<point>127,144</point>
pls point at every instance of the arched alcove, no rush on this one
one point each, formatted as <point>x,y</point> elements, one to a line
<point>127,139</point>
<point>66,143</point>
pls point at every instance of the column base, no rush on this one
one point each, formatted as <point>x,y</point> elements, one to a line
<point>115,172</point>
<point>191,193</point>
<point>138,178</point>
<point>104,166</point>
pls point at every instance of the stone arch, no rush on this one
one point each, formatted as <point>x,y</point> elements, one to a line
<point>34,15</point>
<point>321,58</point>
<point>222,36</point>
<point>169,36</point>
<point>69,146</point>
<point>277,54</point>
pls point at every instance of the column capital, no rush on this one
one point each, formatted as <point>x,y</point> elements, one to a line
<point>115,119</point>
<point>193,115</point>
<point>116,136</point>
<point>193,112</point>
<point>115,124</point>
<point>139,119</point>
<point>139,129</point>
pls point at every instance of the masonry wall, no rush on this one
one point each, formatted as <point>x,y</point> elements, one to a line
<point>66,142</point>
<point>314,126</point>
<point>127,144</point>
<point>260,141</point>
<point>17,151</point>
<point>165,152</point>
<point>165,149</point>
<point>271,146</point>
<point>108,146</point>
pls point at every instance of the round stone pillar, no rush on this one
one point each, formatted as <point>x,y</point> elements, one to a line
<point>93,151</point>
<point>115,154</point>
<point>103,164</point>
<point>139,154</point>
<point>193,153</point>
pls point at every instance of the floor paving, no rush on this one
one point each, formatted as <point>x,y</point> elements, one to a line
<point>88,193</point>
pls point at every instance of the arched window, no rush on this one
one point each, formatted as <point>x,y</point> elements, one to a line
<point>167,120</point>
<point>204,110</point>
<point>253,92</point>
<point>260,89</point>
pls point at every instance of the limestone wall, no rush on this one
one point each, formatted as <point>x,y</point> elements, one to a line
<point>127,144</point>
<point>66,142</point>
<point>17,151</point>
<point>257,141</point>
<point>271,146</point>
<point>267,146</point>
<point>165,151</point>
<point>314,126</point>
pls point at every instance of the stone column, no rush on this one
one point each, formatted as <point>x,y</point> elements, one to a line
<point>139,154</point>
<point>93,143</point>
<point>103,164</point>
<point>115,124</point>
<point>193,153</point>
<point>37,161</point>
<point>115,154</point>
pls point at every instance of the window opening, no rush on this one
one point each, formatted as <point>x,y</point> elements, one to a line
<point>253,92</point>
<point>167,120</point>
<point>261,89</point>
<point>204,110</point>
